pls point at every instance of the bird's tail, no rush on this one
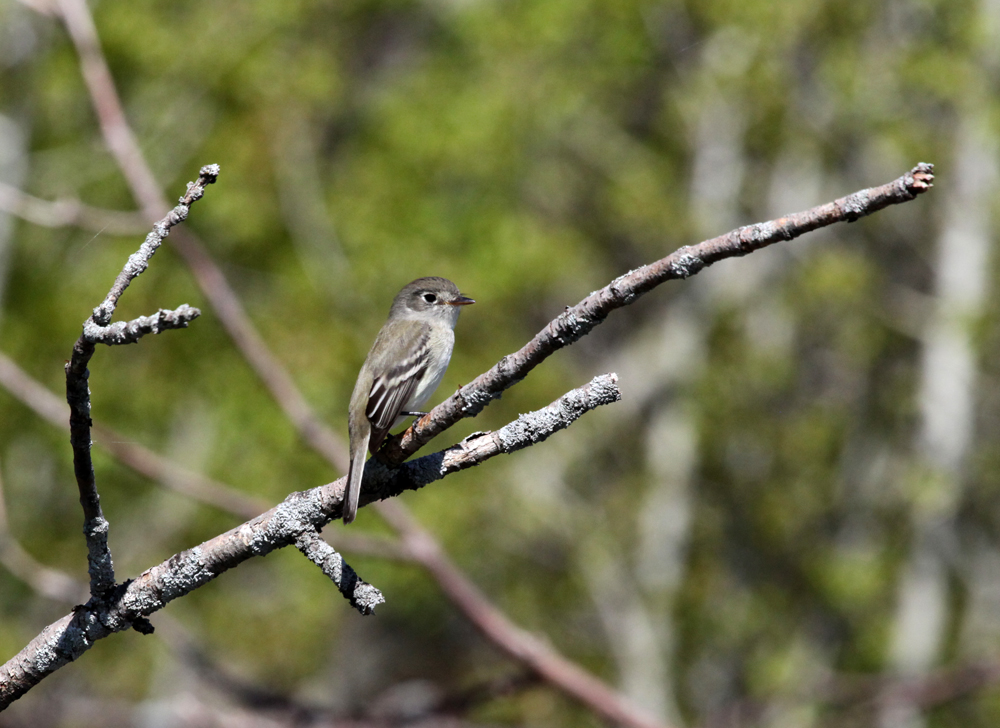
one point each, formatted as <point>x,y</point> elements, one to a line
<point>359,448</point>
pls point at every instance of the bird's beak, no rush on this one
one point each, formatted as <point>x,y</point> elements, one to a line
<point>461,301</point>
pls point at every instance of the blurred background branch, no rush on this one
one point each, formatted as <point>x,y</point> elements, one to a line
<point>61,213</point>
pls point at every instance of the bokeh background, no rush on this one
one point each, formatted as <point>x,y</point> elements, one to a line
<point>790,520</point>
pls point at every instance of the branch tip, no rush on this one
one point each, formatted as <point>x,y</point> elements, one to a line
<point>921,178</point>
<point>130,332</point>
<point>210,173</point>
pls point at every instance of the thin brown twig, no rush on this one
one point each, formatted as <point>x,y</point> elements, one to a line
<point>518,644</point>
<point>47,405</point>
<point>115,128</point>
<point>269,369</point>
<point>157,468</point>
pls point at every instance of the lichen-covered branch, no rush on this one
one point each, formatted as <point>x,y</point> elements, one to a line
<point>128,605</point>
<point>579,320</point>
<point>139,260</point>
<point>383,481</point>
<point>129,332</point>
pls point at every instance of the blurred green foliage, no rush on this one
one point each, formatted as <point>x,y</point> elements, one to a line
<point>531,151</point>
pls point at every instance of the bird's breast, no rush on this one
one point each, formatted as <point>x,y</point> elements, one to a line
<point>443,344</point>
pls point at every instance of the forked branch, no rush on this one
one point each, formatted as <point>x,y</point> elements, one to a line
<point>98,329</point>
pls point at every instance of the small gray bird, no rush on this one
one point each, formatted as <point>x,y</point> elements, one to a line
<point>403,368</point>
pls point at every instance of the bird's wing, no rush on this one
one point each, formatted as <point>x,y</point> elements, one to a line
<point>394,387</point>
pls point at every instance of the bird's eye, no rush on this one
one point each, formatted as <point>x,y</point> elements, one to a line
<point>430,297</point>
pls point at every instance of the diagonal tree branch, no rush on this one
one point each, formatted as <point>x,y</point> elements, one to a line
<point>110,114</point>
<point>234,319</point>
<point>55,411</point>
<point>579,320</point>
<point>539,657</point>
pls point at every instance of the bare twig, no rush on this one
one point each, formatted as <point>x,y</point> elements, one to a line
<point>63,213</point>
<point>95,528</point>
<point>47,405</point>
<point>131,602</point>
<point>579,320</point>
<point>139,260</point>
